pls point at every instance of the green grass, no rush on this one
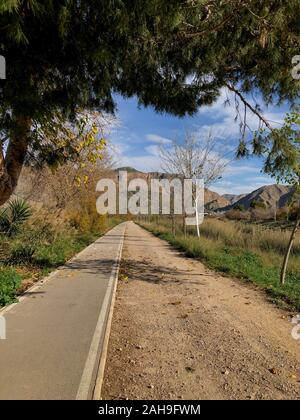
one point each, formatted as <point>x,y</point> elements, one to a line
<point>63,248</point>
<point>242,263</point>
<point>10,280</point>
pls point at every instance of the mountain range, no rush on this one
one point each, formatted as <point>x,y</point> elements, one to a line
<point>269,196</point>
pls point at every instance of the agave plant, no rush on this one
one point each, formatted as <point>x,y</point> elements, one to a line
<point>13,216</point>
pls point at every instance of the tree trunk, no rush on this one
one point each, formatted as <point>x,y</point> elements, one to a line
<point>173,226</point>
<point>198,230</point>
<point>289,248</point>
<point>184,224</point>
<point>11,162</point>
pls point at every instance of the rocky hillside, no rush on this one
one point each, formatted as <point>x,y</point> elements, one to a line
<point>270,196</point>
<point>214,201</point>
<point>233,198</point>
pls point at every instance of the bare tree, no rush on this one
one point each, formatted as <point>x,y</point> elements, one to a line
<point>195,158</point>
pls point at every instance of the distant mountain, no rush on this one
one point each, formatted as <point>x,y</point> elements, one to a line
<point>129,169</point>
<point>233,198</point>
<point>271,196</point>
<point>214,201</point>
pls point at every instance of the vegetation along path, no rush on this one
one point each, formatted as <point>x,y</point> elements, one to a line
<point>182,331</point>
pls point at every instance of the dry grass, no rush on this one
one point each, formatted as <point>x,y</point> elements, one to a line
<point>269,243</point>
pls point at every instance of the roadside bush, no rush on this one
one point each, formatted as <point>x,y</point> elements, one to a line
<point>20,248</point>
<point>56,253</point>
<point>86,219</point>
<point>10,281</point>
<point>4,248</point>
<point>41,231</point>
<point>22,253</point>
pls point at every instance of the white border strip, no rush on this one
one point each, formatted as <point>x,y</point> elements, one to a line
<point>101,368</point>
<point>102,327</point>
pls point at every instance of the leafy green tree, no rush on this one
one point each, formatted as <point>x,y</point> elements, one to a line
<point>65,56</point>
<point>281,150</point>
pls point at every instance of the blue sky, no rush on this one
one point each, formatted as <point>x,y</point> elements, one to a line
<point>139,131</point>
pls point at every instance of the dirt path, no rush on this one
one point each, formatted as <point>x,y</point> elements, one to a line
<point>182,331</point>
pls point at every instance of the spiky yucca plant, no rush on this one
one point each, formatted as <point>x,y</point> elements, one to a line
<point>13,216</point>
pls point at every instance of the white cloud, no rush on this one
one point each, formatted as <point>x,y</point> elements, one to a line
<point>152,150</point>
<point>262,180</point>
<point>242,182</point>
<point>236,189</point>
<point>158,139</point>
<point>144,163</point>
<point>245,187</point>
<point>120,148</point>
<point>242,170</point>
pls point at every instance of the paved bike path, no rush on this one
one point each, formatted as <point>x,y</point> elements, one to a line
<point>53,335</point>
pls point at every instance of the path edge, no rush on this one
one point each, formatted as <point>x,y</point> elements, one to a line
<point>104,349</point>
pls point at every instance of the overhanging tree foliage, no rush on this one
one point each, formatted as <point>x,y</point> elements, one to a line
<point>67,55</point>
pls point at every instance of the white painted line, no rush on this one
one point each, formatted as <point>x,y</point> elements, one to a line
<point>101,368</point>
<point>87,376</point>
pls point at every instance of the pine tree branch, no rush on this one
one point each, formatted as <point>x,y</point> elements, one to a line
<point>249,106</point>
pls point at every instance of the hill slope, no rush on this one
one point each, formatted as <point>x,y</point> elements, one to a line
<point>233,198</point>
<point>214,201</point>
<point>272,196</point>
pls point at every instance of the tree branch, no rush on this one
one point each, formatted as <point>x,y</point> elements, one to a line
<point>248,105</point>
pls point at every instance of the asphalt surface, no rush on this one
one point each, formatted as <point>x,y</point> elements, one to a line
<point>51,350</point>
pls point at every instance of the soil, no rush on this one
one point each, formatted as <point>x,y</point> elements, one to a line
<point>181,331</point>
